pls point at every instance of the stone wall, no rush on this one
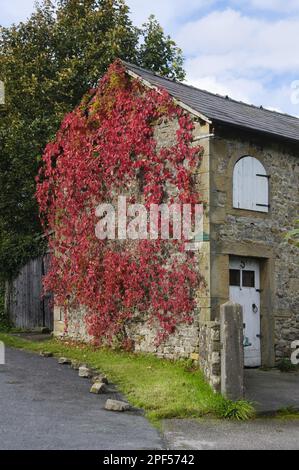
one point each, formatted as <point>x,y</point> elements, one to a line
<point>71,324</point>
<point>259,235</point>
<point>184,343</point>
<point>286,331</point>
<point>209,353</point>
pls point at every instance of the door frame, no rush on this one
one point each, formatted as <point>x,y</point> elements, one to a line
<point>220,287</point>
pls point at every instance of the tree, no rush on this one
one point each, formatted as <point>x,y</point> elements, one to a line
<point>159,53</point>
<point>47,64</point>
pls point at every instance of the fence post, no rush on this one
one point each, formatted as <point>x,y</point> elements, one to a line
<point>232,353</point>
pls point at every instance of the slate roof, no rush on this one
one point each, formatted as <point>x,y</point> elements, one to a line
<point>225,110</point>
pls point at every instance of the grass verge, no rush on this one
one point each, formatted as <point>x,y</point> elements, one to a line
<point>163,389</point>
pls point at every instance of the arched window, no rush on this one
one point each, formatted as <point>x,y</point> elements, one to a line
<point>250,185</point>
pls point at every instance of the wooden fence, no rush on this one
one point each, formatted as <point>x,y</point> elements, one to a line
<point>26,306</point>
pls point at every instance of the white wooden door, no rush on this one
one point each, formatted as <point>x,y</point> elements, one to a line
<point>245,290</point>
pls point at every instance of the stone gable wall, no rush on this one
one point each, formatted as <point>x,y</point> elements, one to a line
<point>184,343</point>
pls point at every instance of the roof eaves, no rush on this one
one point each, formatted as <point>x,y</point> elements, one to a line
<point>255,130</point>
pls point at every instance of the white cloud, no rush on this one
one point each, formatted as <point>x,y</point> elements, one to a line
<point>226,40</point>
<point>283,6</point>
<point>247,58</point>
<point>239,88</point>
<point>247,52</point>
<point>252,91</point>
<point>168,12</point>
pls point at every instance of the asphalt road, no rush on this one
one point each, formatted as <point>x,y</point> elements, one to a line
<point>46,406</point>
<point>259,434</point>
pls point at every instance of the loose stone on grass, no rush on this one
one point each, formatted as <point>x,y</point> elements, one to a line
<point>115,405</point>
<point>75,365</point>
<point>100,378</point>
<point>64,360</point>
<point>46,354</point>
<point>98,388</point>
<point>85,372</point>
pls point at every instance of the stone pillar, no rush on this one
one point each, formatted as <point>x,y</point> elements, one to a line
<point>209,353</point>
<point>2,353</point>
<point>59,324</point>
<point>232,353</point>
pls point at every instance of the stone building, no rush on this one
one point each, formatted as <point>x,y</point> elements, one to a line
<point>249,178</point>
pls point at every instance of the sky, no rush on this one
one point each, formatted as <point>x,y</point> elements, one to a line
<point>247,49</point>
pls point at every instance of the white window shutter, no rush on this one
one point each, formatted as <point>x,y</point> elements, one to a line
<point>250,185</point>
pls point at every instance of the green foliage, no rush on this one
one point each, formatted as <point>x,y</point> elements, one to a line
<point>159,52</point>
<point>164,389</point>
<point>285,365</point>
<point>47,63</point>
<point>5,326</point>
<point>241,410</point>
